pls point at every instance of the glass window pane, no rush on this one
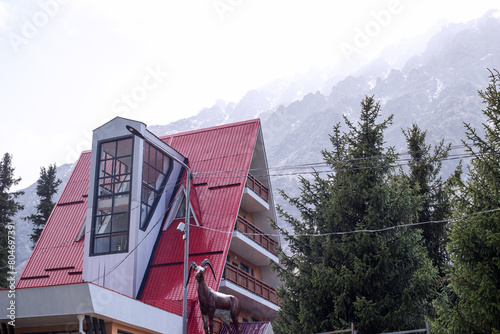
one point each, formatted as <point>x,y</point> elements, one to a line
<point>126,164</point>
<point>108,149</point>
<point>123,186</point>
<point>104,205</point>
<point>166,164</point>
<point>151,177</point>
<point>144,194</point>
<point>121,168</point>
<point>119,242</point>
<point>124,147</point>
<point>105,186</point>
<point>144,213</point>
<point>181,212</point>
<point>152,156</point>
<point>147,147</point>
<point>106,168</point>
<point>121,204</point>
<point>101,244</point>
<point>102,224</point>
<point>159,162</point>
<point>120,222</point>
<point>157,180</point>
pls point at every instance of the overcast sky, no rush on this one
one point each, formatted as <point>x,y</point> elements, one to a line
<point>69,66</point>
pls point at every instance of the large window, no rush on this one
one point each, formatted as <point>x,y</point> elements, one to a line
<point>155,170</point>
<point>110,225</point>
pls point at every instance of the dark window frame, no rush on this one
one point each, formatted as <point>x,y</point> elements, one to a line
<point>245,267</point>
<point>121,331</point>
<point>115,181</point>
<point>145,184</point>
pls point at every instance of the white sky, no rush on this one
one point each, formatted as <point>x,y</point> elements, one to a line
<point>68,66</point>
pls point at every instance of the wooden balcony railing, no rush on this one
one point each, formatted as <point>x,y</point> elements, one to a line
<point>254,233</point>
<point>243,279</point>
<point>257,187</point>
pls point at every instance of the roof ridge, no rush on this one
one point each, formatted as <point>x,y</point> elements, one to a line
<point>212,128</point>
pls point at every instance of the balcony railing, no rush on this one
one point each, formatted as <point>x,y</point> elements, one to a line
<point>250,283</point>
<point>254,233</point>
<point>257,187</point>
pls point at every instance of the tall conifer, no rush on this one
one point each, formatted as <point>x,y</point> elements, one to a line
<point>8,209</point>
<point>473,302</point>
<point>46,189</point>
<point>424,171</point>
<point>339,269</point>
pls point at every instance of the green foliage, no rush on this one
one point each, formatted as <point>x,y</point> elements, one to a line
<point>46,189</point>
<point>380,281</point>
<point>424,169</point>
<point>8,209</point>
<point>472,302</point>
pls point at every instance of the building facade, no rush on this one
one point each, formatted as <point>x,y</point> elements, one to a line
<point>111,257</point>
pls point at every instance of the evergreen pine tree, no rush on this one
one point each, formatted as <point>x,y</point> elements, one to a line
<point>340,270</point>
<point>472,304</point>
<point>46,188</point>
<point>424,168</point>
<point>8,209</point>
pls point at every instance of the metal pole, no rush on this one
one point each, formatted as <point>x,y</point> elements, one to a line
<point>186,231</point>
<point>186,251</point>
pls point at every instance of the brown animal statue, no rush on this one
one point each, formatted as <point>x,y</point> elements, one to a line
<point>213,303</point>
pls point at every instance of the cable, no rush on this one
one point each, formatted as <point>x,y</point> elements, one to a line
<point>160,219</point>
<point>355,162</point>
<point>404,162</point>
<point>359,231</point>
<point>61,228</point>
<point>453,157</point>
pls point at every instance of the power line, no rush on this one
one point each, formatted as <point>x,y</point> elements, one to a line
<point>316,166</point>
<point>355,162</point>
<point>310,165</point>
<point>63,227</point>
<point>358,231</point>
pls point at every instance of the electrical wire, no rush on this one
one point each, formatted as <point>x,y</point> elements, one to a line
<point>64,227</point>
<point>357,231</point>
<point>255,171</point>
<point>316,167</point>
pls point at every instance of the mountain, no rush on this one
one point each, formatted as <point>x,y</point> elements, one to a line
<point>434,86</point>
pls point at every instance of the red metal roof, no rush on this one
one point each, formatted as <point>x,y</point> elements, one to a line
<point>219,158</point>
<point>57,258</point>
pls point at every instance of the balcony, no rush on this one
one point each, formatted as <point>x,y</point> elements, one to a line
<point>257,187</point>
<point>254,233</point>
<point>250,283</point>
<point>256,195</point>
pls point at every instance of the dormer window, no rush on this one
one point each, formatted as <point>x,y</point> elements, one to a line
<point>111,218</point>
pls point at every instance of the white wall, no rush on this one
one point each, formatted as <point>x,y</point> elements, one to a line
<point>124,272</point>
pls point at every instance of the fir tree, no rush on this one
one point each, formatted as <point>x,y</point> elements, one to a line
<point>340,270</point>
<point>424,168</point>
<point>8,209</point>
<point>472,304</point>
<point>46,188</point>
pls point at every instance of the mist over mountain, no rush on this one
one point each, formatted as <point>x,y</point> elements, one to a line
<point>433,86</point>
